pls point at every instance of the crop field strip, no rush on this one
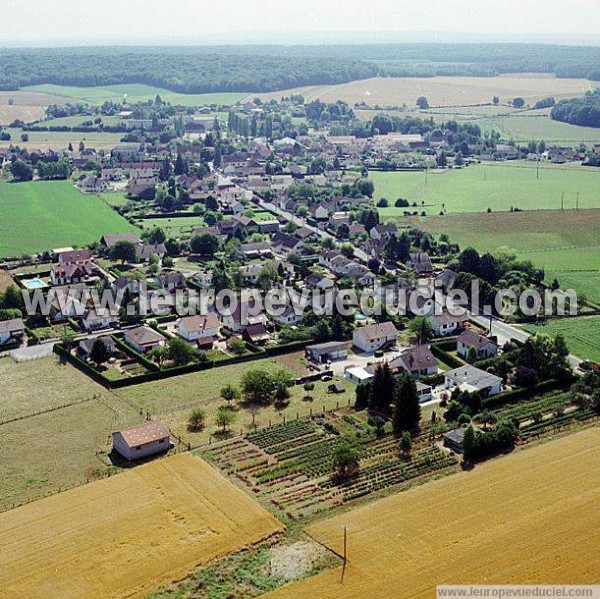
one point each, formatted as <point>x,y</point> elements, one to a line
<point>107,547</point>
<point>289,464</point>
<point>524,519</point>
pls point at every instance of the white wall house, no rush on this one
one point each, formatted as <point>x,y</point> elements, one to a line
<point>142,441</point>
<point>375,336</point>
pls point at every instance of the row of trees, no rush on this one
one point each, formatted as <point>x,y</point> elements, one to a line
<point>579,111</point>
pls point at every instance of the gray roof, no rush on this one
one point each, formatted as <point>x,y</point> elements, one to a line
<point>472,376</point>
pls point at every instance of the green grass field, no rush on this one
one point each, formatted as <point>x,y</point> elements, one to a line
<point>41,215</point>
<point>581,333</point>
<point>497,186</point>
<point>175,227</point>
<point>136,93</point>
<point>565,243</point>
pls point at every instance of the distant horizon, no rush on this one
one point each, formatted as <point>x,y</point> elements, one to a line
<point>303,38</point>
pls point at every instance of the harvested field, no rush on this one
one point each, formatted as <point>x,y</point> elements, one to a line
<point>26,106</point>
<point>5,281</point>
<point>451,91</point>
<point>524,519</point>
<point>127,534</point>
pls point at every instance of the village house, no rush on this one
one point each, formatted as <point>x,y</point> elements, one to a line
<point>74,273</point>
<point>143,339</point>
<point>417,361</point>
<point>471,379</point>
<point>142,441</point>
<point>11,330</point>
<point>242,316</point>
<point>147,250</point>
<point>108,241</point>
<point>93,184</point>
<point>84,348</point>
<point>172,281</point>
<point>380,232</point>
<point>482,346</point>
<point>373,337</point>
<point>318,211</point>
<point>421,264</point>
<point>74,257</point>
<point>203,329</point>
<point>288,316</point>
<point>446,323</point>
<point>93,320</point>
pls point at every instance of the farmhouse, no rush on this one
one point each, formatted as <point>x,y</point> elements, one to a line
<point>11,330</point>
<point>471,379</point>
<point>375,336</point>
<point>142,441</point>
<point>202,328</point>
<point>482,346</point>
<point>143,339</point>
<point>74,257</point>
<point>327,352</point>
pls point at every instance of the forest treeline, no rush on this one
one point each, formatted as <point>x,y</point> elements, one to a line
<point>579,111</point>
<point>269,68</point>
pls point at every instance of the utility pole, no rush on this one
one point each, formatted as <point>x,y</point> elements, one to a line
<point>577,202</point>
<point>537,170</point>
<point>562,201</point>
<point>345,552</point>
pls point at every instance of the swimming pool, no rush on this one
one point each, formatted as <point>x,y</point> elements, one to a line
<point>35,283</point>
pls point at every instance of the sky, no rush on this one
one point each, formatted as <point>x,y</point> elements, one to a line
<point>44,22</point>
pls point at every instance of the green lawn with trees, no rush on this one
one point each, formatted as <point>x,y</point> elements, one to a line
<point>41,215</point>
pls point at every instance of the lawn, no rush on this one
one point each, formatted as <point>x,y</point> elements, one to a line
<point>174,227</point>
<point>136,92</point>
<point>173,399</point>
<point>62,139</point>
<point>41,215</point>
<point>498,186</point>
<point>534,504</point>
<point>581,333</point>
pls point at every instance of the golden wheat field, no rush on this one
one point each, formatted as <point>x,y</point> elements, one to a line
<point>528,518</point>
<point>125,535</point>
<point>443,91</point>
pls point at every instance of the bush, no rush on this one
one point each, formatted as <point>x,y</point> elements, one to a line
<point>197,420</point>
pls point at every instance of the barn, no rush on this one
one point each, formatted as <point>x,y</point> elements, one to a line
<point>142,441</point>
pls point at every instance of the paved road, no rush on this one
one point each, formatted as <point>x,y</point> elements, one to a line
<point>503,330</point>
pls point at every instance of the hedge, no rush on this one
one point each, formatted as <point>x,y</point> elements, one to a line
<point>155,373</point>
<point>446,357</point>
<point>496,401</point>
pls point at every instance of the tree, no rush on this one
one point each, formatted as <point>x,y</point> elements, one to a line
<point>99,353</point>
<point>225,417</point>
<point>21,170</point>
<point>230,393</point>
<point>422,103</point>
<point>67,338</point>
<point>237,346</point>
<point>123,250</point>
<point>259,386</point>
<point>345,461</point>
<point>421,328</point>
<point>363,392</point>
<point>486,418</point>
<point>518,102</point>
<point>206,244</point>
<point>441,159</point>
<point>468,444</point>
<point>309,388</point>
<point>24,137</point>
<point>406,444</point>
<point>407,410</point>
<point>382,389</point>
<point>197,420</point>
<point>180,352</point>
<point>495,100</point>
